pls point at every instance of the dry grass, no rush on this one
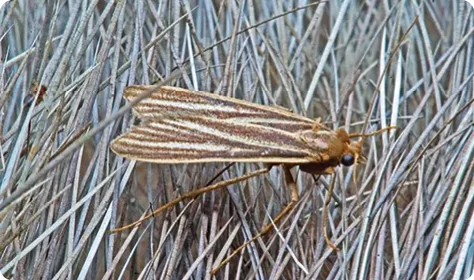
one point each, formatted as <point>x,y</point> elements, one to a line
<point>403,63</point>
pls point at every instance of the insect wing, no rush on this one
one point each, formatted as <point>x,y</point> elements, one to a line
<point>178,102</point>
<point>183,126</point>
<point>203,139</point>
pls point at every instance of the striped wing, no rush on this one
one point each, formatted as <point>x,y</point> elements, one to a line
<point>212,128</point>
<point>178,102</point>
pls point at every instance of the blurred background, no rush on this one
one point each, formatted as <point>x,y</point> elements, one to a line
<point>403,214</point>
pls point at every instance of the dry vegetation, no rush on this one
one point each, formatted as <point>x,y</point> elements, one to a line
<point>405,214</point>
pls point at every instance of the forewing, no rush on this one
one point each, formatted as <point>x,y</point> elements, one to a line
<point>204,139</point>
<point>172,102</point>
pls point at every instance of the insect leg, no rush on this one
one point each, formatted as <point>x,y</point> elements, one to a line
<point>290,182</point>
<point>194,194</point>
<point>325,216</point>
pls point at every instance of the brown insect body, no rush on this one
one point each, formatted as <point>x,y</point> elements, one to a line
<point>340,150</point>
<point>183,126</point>
<point>35,88</point>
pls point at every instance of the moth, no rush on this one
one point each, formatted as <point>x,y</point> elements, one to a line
<point>184,126</point>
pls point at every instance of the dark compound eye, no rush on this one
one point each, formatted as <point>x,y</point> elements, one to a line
<point>347,160</point>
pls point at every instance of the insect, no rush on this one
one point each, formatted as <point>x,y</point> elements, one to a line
<point>36,88</point>
<point>205,127</point>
